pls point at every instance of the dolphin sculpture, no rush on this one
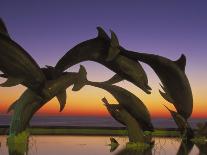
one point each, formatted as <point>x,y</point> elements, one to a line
<point>17,65</point>
<point>135,132</point>
<point>131,103</point>
<point>176,86</point>
<point>108,52</point>
<point>30,102</point>
<point>20,68</point>
<point>105,51</point>
<point>114,110</point>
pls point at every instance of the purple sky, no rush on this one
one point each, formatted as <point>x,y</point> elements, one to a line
<point>47,29</point>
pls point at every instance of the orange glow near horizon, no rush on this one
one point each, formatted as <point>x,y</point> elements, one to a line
<point>87,102</point>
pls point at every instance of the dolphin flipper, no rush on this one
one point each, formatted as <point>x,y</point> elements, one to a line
<point>62,96</point>
<point>81,79</point>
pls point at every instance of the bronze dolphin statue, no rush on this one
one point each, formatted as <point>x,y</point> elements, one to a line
<point>30,102</point>
<point>106,51</point>
<point>131,103</point>
<point>176,86</point>
<point>16,64</point>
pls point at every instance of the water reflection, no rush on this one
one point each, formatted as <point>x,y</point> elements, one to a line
<point>202,149</point>
<point>97,145</point>
<point>185,147</point>
<point>135,152</point>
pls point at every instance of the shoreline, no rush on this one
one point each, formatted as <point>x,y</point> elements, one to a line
<point>89,131</point>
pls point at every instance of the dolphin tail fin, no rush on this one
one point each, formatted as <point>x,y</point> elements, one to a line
<point>81,79</point>
<point>62,96</point>
<point>181,62</point>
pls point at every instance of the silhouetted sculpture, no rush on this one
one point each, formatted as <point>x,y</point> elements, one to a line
<point>135,133</point>
<point>17,65</point>
<point>107,52</point>
<point>29,102</point>
<point>176,86</point>
<point>126,99</point>
<point>130,111</point>
<point>45,83</point>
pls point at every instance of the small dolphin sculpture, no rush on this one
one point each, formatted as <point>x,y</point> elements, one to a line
<point>106,51</point>
<point>131,103</point>
<point>176,86</point>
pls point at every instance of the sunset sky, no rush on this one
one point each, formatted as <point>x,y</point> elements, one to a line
<point>48,29</point>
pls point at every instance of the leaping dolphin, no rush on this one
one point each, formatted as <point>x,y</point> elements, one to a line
<point>30,102</point>
<point>176,86</point>
<point>106,51</point>
<point>131,103</point>
<point>135,131</point>
<point>16,64</point>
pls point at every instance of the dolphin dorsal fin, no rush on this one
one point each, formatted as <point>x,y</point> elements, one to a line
<point>102,34</point>
<point>81,79</point>
<point>114,50</point>
<point>181,62</point>
<point>3,29</point>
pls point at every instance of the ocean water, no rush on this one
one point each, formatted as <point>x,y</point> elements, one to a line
<point>89,121</point>
<point>94,145</point>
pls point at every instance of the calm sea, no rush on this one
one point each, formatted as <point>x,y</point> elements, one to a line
<point>91,121</point>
